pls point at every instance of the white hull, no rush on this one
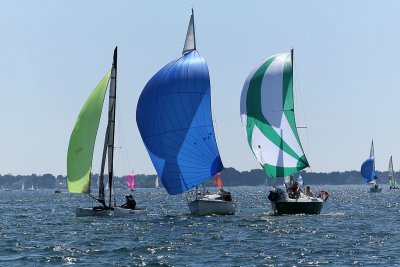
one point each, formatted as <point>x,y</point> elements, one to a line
<point>121,212</point>
<point>115,212</point>
<point>89,212</point>
<point>203,207</point>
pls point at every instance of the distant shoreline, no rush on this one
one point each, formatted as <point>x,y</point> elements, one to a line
<point>230,177</point>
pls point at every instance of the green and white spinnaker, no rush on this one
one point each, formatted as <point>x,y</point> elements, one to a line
<point>83,137</point>
<point>267,113</point>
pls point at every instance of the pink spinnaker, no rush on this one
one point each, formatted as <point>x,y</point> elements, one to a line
<point>218,180</point>
<point>130,181</point>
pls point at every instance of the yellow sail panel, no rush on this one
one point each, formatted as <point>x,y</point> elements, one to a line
<point>83,137</point>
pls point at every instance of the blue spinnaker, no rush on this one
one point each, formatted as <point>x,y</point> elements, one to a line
<point>368,170</point>
<point>174,119</point>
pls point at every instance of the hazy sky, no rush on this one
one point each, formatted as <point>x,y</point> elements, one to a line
<point>347,74</point>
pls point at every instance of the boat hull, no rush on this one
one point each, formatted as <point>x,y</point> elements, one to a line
<point>121,212</point>
<point>375,190</point>
<point>201,207</point>
<point>116,212</point>
<point>291,207</point>
<point>93,212</point>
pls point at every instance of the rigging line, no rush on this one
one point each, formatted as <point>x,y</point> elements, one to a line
<point>296,74</point>
<point>123,140</point>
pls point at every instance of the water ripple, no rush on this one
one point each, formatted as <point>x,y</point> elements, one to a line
<point>355,228</point>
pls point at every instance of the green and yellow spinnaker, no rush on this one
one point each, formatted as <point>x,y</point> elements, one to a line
<point>83,137</point>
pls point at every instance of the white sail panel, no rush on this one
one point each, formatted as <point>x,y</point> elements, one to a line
<point>190,41</point>
<point>269,153</point>
<point>267,114</point>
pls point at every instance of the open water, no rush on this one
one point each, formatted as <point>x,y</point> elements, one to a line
<point>355,228</point>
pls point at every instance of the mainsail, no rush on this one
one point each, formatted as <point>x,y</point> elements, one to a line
<point>267,113</point>
<point>174,119</point>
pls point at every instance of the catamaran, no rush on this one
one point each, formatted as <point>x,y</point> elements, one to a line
<point>267,114</point>
<point>175,121</point>
<point>392,180</point>
<point>81,146</point>
<point>368,171</point>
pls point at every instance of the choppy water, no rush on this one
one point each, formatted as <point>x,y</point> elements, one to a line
<point>355,228</point>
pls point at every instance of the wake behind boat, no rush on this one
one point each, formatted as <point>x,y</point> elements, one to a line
<point>81,146</point>
<point>175,121</point>
<point>267,114</point>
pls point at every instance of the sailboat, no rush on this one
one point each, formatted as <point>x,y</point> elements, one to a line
<point>23,186</point>
<point>175,121</point>
<point>156,183</point>
<point>368,171</point>
<point>6,189</point>
<point>32,188</point>
<point>267,114</point>
<point>81,146</point>
<point>392,181</point>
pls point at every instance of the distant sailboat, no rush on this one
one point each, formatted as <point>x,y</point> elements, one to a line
<point>267,113</point>
<point>130,181</point>
<point>81,146</point>
<point>23,186</point>
<point>368,171</point>
<point>5,189</point>
<point>156,184</point>
<point>175,121</point>
<point>392,180</point>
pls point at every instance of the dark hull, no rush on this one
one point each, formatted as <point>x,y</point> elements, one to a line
<point>296,207</point>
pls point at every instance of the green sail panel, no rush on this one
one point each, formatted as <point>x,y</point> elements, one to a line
<point>267,114</point>
<point>83,137</point>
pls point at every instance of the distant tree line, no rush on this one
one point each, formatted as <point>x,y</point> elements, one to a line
<point>230,177</point>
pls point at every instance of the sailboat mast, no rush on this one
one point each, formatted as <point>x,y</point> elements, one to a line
<point>194,31</point>
<point>111,122</point>
<point>103,163</point>
<point>371,153</point>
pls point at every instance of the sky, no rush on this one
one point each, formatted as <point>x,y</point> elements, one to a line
<point>346,60</point>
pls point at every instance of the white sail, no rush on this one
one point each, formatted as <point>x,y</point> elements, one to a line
<point>190,41</point>
<point>157,185</point>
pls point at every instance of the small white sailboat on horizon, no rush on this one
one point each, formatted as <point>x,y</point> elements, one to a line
<point>175,121</point>
<point>81,146</point>
<point>267,114</point>
<point>6,189</point>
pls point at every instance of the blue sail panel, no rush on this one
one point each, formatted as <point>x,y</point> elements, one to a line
<point>368,170</point>
<point>174,119</point>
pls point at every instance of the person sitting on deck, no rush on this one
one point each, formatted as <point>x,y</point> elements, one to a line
<point>130,202</point>
<point>225,195</point>
<point>294,190</point>
<point>308,191</point>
